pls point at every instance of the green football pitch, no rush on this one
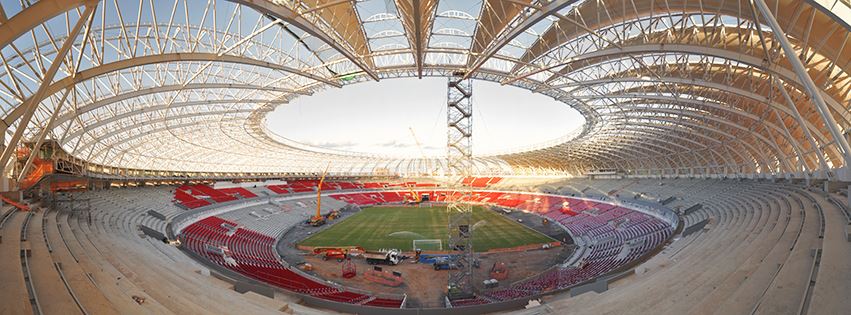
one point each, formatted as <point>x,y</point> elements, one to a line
<point>396,227</point>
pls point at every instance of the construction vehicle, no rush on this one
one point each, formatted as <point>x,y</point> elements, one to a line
<point>444,264</point>
<point>447,263</point>
<point>430,259</point>
<point>333,215</point>
<point>415,197</point>
<point>306,267</point>
<point>337,254</point>
<point>314,222</point>
<point>387,257</point>
<point>320,250</point>
<point>318,219</point>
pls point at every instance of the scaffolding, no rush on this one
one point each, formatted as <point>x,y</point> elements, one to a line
<point>459,159</point>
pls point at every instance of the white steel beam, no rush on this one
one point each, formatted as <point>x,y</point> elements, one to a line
<point>509,35</point>
<point>814,91</point>
<point>29,106</point>
<point>286,14</point>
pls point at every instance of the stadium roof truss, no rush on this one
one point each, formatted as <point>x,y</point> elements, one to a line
<point>666,86</point>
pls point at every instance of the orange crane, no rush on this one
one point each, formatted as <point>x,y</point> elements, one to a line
<point>318,219</point>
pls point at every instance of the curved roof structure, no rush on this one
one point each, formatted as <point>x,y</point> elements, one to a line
<point>666,86</point>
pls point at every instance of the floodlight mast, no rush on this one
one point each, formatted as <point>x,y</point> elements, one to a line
<point>459,158</point>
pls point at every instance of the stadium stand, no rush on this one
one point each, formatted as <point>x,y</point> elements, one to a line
<point>238,192</point>
<point>253,254</point>
<point>699,160</point>
<point>481,182</point>
<point>12,278</point>
<point>106,264</point>
<point>755,254</point>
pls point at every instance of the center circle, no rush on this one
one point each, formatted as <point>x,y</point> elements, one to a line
<point>391,116</point>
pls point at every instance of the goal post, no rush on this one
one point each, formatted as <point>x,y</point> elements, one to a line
<point>428,245</point>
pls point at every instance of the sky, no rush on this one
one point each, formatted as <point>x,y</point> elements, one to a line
<point>377,117</point>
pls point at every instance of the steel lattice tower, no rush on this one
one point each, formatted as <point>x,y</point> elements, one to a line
<point>459,157</point>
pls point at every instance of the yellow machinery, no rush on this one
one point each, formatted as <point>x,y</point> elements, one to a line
<point>318,219</point>
<point>415,197</point>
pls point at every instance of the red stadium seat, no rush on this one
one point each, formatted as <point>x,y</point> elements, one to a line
<point>255,257</point>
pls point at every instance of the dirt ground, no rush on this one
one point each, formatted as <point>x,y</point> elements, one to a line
<point>426,287</point>
<point>421,283</point>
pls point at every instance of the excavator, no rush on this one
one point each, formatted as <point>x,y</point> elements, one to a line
<point>318,219</point>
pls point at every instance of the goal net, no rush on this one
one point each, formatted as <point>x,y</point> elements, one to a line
<point>427,245</point>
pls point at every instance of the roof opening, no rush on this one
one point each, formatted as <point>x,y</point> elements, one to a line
<point>391,116</point>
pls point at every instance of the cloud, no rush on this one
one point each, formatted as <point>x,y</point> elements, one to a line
<point>411,145</point>
<point>334,144</point>
<point>395,144</point>
<point>393,147</point>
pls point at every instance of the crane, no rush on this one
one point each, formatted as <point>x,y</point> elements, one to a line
<point>415,197</point>
<point>318,219</point>
<point>422,153</point>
